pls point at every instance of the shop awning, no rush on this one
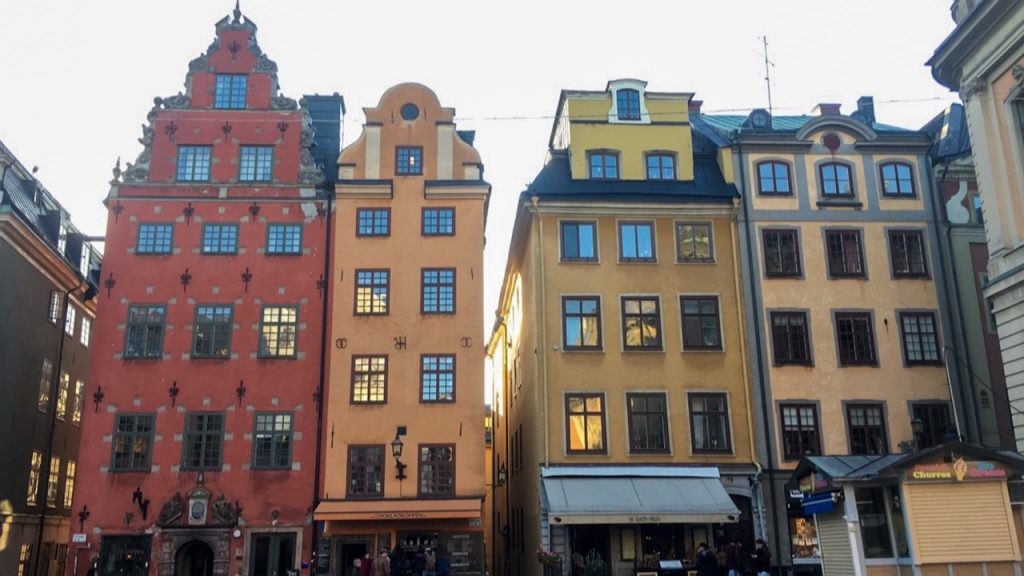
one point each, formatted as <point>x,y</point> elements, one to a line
<point>398,509</point>
<point>638,499</point>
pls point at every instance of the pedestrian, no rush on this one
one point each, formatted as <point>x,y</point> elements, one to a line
<point>706,564</point>
<point>357,567</point>
<point>364,567</point>
<point>430,563</point>
<point>419,561</point>
<point>399,566</point>
<point>762,558</point>
<point>737,560</point>
<point>444,563</point>
<point>381,564</point>
<point>723,561</point>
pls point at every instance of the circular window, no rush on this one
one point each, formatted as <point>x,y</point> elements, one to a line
<point>410,111</point>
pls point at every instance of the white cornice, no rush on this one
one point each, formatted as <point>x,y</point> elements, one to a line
<point>632,209</point>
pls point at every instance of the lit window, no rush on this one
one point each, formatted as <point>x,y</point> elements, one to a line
<point>231,90</point>
<point>86,332</point>
<point>279,327</point>
<point>76,413</point>
<point>194,163</point>
<point>34,473</point>
<point>155,239</point>
<point>272,444</point>
<point>69,321</point>
<point>212,332</point>
<point>44,386</point>
<point>56,299</point>
<point>409,160</point>
<point>69,483</point>
<point>585,431</point>
<point>372,287</point>
<point>256,164</point>
<point>53,482</point>
<point>220,238</point>
<point>369,379</point>
<point>62,395</point>
<point>133,443</point>
<point>284,239</point>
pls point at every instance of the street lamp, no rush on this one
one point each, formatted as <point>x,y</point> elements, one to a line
<point>502,474</point>
<point>917,426</point>
<point>396,451</point>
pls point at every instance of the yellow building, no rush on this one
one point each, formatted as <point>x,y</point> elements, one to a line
<point>404,422</point>
<point>621,407</point>
<point>846,307</point>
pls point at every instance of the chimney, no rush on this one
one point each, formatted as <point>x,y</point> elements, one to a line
<point>825,109</point>
<point>866,106</point>
<point>695,106</point>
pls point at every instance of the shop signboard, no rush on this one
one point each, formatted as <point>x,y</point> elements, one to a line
<point>959,470</point>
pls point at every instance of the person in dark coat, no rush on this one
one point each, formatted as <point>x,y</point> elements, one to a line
<point>419,562</point>
<point>444,563</point>
<point>706,564</point>
<point>762,559</point>
<point>399,567</point>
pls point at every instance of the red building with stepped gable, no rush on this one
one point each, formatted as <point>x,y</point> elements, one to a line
<point>199,452</point>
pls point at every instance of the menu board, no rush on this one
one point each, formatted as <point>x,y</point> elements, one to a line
<point>465,551</point>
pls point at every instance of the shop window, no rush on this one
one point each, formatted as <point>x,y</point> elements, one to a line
<point>585,427</point>
<point>579,241</point>
<point>804,541</point>
<point>581,322</point>
<point>125,555</point>
<point>24,559</point>
<point>883,535</point>
<point>641,323</point>
<point>273,554</point>
<point>648,423</point>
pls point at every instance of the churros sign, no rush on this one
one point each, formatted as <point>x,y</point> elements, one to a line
<point>959,470</point>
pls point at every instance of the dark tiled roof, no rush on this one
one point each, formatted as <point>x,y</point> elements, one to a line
<point>948,133</point>
<point>555,182</point>
<point>728,123</point>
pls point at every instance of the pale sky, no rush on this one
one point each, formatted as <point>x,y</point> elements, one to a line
<point>79,77</point>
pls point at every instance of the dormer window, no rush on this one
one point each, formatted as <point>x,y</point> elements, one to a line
<point>603,165</point>
<point>231,90</point>
<point>628,104</point>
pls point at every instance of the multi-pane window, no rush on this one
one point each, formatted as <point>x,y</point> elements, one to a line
<point>936,423</point>
<point>920,338</point>
<point>855,338</point>
<point>438,290</point>
<point>69,321</point>
<point>581,322</point>
<point>62,395</point>
<point>373,221</point>
<point>845,253</point>
<point>773,178</point>
<point>279,329</point>
<point>906,250</point>
<point>144,331</point>
<point>69,483</point>
<point>437,470</point>
<point>409,160</point>
<point>866,428</point>
<point>212,332</point>
<point>272,441</point>
<point>231,90</point>
<point>24,559</point>
<point>585,431</point>
<point>791,342</point>
<point>648,422</point>
<point>636,241</point>
<point>133,442</point>
<point>284,239</point>
<point>220,238</point>
<point>203,441</point>
<point>256,164</point>
<point>709,422</point>
<point>603,165</point>
<point>85,334</point>
<point>701,327</point>
<point>641,323</point>
<point>799,430</point>
<point>627,104</point>
<point>56,301</point>
<point>44,385</point>
<point>53,482</point>
<point>693,242</point>
<point>781,253</point>
<point>194,163</point>
<point>836,180</point>
<point>897,179</point>
<point>155,239</point>
<point>369,379</point>
<point>579,241</point>
<point>661,167</point>
<point>437,378</point>
<point>372,289</point>
<point>438,221</point>
<point>365,471</point>
<point>79,405</point>
<point>34,473</point>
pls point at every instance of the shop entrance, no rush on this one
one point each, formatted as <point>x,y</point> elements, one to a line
<point>348,550</point>
<point>587,538</point>
<point>195,558</point>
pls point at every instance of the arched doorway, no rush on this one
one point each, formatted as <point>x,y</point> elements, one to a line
<point>195,558</point>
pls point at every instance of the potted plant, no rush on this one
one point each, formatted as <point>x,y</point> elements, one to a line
<point>550,560</point>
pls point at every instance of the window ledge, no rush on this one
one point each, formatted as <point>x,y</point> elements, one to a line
<point>711,261</point>
<point>840,203</point>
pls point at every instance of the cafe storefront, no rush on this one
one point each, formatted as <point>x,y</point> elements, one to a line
<point>942,511</point>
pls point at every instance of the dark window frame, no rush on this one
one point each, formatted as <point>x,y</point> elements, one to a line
<point>813,433</point>
<point>930,436</point>
<point>439,221</point>
<point>210,436</point>
<point>566,316</point>
<point>936,343</point>
<point>365,292</point>
<point>680,258</point>
<point>627,105</point>
<point>217,243</point>
<point>282,248</point>
<point>196,165</point>
<point>603,414</point>
<point>607,159</point>
<point>646,414</point>
<point>158,353</point>
<point>272,459</point>
<point>774,164</point>
<point>723,414</point>
<point>440,300</point>
<point>896,237</point>
<point>563,228</point>
<point>782,234</point>
<point>264,351</point>
<point>868,431</point>
<point>438,373</point>
<point>823,181</point>
<point>834,260</point>
<point>426,469</point>
<point>645,321</point>
<point>660,157</point>
<point>373,222</point>
<point>900,192</point>
<point>637,225</point>
<point>156,247</point>
<point>213,324</point>
<point>366,464</point>
<point>257,168</point>
<point>370,373</point>
<point>410,153</point>
<point>790,359</point>
<point>133,464</point>
<point>856,318</point>
<point>229,100</point>
<point>700,316</point>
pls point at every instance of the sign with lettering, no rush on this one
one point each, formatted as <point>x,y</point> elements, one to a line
<point>645,519</point>
<point>398,515</point>
<point>78,538</point>
<point>959,470</point>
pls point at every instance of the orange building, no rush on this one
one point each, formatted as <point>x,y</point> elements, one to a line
<point>404,427</point>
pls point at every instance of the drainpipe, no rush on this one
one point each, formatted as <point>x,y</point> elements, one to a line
<point>44,479</point>
<point>759,354</point>
<point>324,351</point>
<point>541,327</point>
